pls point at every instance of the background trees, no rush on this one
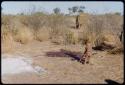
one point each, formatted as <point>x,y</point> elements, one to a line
<point>56,10</point>
<point>76,9</point>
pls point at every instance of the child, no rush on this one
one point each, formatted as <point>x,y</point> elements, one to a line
<point>88,52</point>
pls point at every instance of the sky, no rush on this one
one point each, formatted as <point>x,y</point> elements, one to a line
<point>98,7</point>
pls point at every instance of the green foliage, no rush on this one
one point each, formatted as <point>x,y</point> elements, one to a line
<point>56,10</point>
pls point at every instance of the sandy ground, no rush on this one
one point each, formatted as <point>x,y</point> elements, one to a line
<point>104,68</point>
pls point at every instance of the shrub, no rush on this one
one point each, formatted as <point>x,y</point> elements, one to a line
<point>70,38</point>
<point>107,41</point>
<point>117,50</point>
<point>7,40</point>
<point>85,35</point>
<point>23,35</point>
<point>42,34</point>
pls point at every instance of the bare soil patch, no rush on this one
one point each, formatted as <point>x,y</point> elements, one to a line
<point>62,65</point>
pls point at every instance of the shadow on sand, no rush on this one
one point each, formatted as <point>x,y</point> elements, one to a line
<point>112,82</point>
<point>99,48</point>
<point>65,53</point>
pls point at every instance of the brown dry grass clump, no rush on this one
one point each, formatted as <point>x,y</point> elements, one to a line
<point>7,41</point>
<point>23,35</point>
<point>86,34</point>
<point>83,20</point>
<point>117,50</point>
<point>42,34</point>
<point>71,38</point>
<point>107,41</point>
<point>58,28</point>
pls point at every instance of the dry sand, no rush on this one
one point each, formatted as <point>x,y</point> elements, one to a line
<point>63,69</point>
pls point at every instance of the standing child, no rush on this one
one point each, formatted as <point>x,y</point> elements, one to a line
<point>87,53</point>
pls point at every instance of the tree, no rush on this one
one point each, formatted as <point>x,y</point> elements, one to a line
<point>78,9</point>
<point>75,9</point>
<point>117,13</point>
<point>56,10</point>
<point>81,9</point>
<point>70,10</point>
<point>21,14</point>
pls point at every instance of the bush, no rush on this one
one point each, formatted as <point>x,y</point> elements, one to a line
<point>35,21</point>
<point>23,35</point>
<point>107,41</point>
<point>42,34</point>
<point>117,50</point>
<point>70,38</point>
<point>26,27</point>
<point>7,40</point>
<point>86,35</point>
<point>6,20</point>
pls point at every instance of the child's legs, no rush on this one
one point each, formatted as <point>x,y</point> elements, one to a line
<point>87,59</point>
<point>82,59</point>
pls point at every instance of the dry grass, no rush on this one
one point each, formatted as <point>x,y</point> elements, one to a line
<point>83,20</point>
<point>84,35</point>
<point>107,38</point>
<point>70,38</point>
<point>23,35</point>
<point>42,34</point>
<point>7,40</point>
<point>109,42</point>
<point>117,50</point>
<point>58,28</point>
<point>34,21</point>
<point>6,20</point>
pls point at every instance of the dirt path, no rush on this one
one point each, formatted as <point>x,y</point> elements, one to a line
<point>63,69</point>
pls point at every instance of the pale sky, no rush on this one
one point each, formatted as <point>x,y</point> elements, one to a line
<point>99,7</point>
